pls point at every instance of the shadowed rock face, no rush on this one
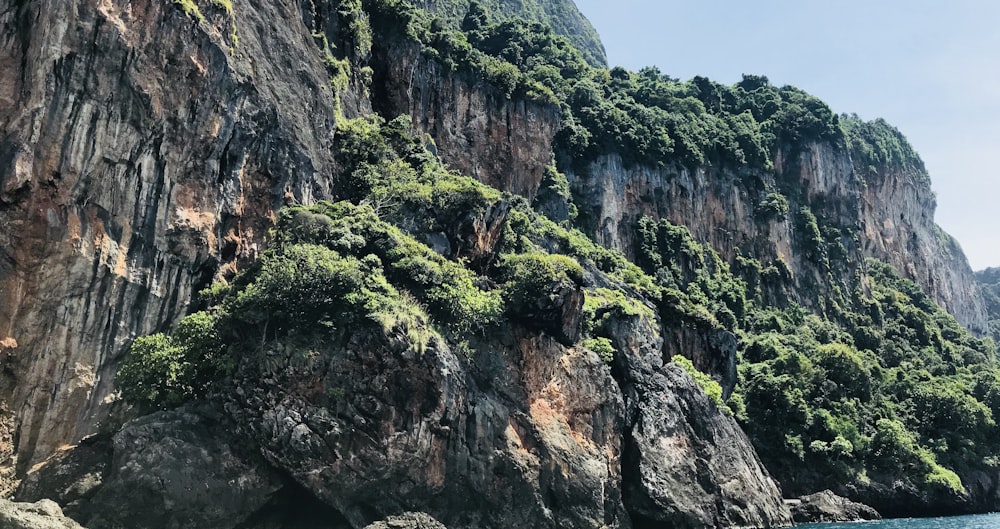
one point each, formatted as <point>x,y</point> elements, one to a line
<point>686,463</point>
<point>372,428</point>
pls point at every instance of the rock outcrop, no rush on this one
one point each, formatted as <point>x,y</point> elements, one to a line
<point>476,128</point>
<point>44,514</point>
<point>902,499</point>
<point>177,469</point>
<point>687,464</point>
<point>409,520</point>
<point>825,506</point>
<point>372,427</point>
<point>533,435</point>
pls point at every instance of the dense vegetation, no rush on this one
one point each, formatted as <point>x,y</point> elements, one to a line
<point>890,386</point>
<point>645,117</point>
<point>876,384</point>
<point>561,15</point>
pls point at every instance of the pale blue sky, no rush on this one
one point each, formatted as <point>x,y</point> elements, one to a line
<point>932,69</point>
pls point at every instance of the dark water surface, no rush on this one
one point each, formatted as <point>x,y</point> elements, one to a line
<point>981,521</point>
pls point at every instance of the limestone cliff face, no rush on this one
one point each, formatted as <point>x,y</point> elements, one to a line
<point>139,152</point>
<point>143,153</point>
<point>476,128</point>
<point>899,212</point>
<point>889,217</point>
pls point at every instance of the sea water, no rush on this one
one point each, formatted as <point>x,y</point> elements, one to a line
<point>981,521</point>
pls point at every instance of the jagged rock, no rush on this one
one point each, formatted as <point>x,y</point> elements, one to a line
<point>694,466</point>
<point>476,128</point>
<point>712,351</point>
<point>527,435</point>
<point>983,487</point>
<point>825,506</point>
<point>477,235</point>
<point>43,514</point>
<point>558,311</point>
<point>410,520</point>
<point>686,464</point>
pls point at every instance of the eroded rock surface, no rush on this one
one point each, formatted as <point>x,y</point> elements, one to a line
<point>825,506</point>
<point>687,463</point>
<point>43,514</point>
<point>410,520</point>
<point>169,470</point>
<point>139,151</point>
<point>892,212</point>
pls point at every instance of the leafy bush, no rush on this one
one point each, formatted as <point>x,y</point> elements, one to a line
<point>531,276</point>
<point>448,289</point>
<point>705,382</point>
<point>877,146</point>
<point>162,371</point>
<point>602,346</point>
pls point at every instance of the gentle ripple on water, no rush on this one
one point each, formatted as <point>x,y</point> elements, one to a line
<point>980,521</point>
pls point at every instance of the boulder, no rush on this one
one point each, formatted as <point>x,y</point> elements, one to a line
<point>826,506</point>
<point>43,514</point>
<point>409,520</point>
<point>168,470</point>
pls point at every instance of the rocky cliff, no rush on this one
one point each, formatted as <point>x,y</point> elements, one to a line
<point>142,150</point>
<point>147,147</point>
<point>888,216</point>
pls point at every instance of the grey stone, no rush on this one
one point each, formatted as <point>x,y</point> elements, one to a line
<point>825,506</point>
<point>409,520</point>
<point>43,514</point>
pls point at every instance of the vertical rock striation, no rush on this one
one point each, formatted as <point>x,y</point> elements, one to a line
<point>889,217</point>
<point>140,150</point>
<point>476,128</point>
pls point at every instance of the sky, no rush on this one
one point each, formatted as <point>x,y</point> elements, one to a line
<point>932,69</point>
